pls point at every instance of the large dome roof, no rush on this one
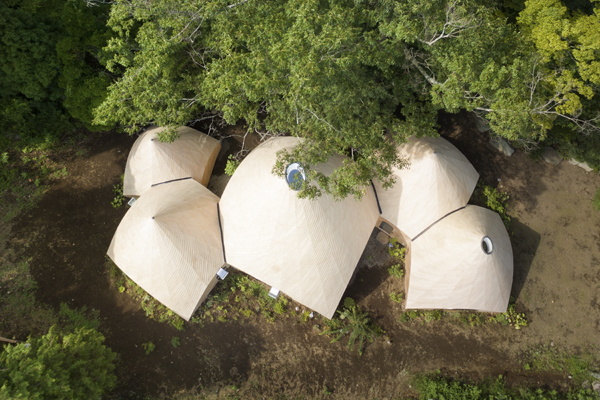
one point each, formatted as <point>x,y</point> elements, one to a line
<point>308,249</point>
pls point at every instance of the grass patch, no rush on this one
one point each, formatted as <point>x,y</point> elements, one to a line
<point>238,298</point>
<point>438,387</point>
<point>547,358</point>
<point>119,199</point>
<point>510,318</point>
<point>20,314</point>
<point>596,200</point>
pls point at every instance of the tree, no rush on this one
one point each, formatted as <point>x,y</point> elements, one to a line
<point>567,70</point>
<point>57,366</point>
<point>352,77</point>
<point>51,72</point>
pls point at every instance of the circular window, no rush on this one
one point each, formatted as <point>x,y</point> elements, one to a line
<point>487,245</point>
<point>294,174</point>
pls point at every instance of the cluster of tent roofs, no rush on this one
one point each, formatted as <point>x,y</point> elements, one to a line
<point>178,238</point>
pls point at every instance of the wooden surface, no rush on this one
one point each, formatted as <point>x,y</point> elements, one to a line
<point>308,249</point>
<point>169,243</point>
<point>150,161</point>
<point>450,270</point>
<point>438,180</point>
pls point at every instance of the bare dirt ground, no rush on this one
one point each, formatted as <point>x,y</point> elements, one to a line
<point>556,242</point>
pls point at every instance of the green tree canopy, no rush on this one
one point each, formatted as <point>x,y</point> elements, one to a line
<point>354,77</point>
<point>567,69</point>
<point>51,71</point>
<point>57,366</point>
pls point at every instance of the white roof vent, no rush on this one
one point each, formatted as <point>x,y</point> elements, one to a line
<point>274,292</point>
<point>222,274</point>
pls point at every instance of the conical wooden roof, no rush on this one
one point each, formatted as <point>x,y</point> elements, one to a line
<point>151,161</point>
<point>308,249</point>
<point>169,243</point>
<point>450,269</point>
<point>438,181</point>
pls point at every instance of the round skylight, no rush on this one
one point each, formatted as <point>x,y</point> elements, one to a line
<point>294,175</point>
<point>487,245</point>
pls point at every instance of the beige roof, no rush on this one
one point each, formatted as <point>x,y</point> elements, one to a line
<point>449,268</point>
<point>308,249</point>
<point>151,161</point>
<point>169,243</point>
<point>438,180</point>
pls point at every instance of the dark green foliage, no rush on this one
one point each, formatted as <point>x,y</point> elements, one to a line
<point>51,73</point>
<point>437,387</point>
<point>596,200</point>
<point>58,365</point>
<point>73,319</point>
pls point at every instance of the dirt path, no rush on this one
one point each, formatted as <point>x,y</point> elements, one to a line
<point>556,236</point>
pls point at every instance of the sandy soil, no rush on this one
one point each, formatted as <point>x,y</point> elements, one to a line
<point>556,242</point>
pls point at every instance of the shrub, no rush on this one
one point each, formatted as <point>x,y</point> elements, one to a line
<point>396,271</point>
<point>494,200</point>
<point>148,347</point>
<point>596,200</point>
<point>357,324</point>
<point>59,366</point>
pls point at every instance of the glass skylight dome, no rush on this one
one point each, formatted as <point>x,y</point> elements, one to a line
<point>295,176</point>
<point>487,245</point>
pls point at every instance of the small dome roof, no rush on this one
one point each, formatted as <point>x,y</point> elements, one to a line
<point>151,161</point>
<point>169,243</point>
<point>464,261</point>
<point>438,181</point>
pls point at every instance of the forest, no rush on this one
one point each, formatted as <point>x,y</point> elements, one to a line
<point>353,77</point>
<point>346,75</point>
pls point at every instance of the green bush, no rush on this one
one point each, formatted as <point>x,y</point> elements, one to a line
<point>357,324</point>
<point>437,387</point>
<point>58,366</point>
<point>493,199</point>
<point>397,250</point>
